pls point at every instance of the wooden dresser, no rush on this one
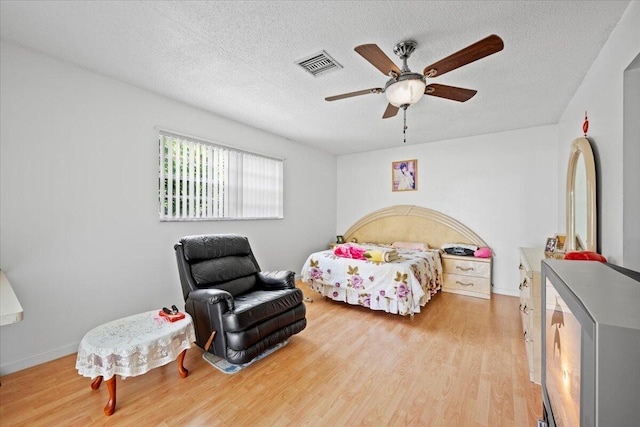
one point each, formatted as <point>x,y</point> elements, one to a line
<point>467,275</point>
<point>530,307</point>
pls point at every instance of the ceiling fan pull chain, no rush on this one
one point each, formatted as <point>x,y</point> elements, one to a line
<point>404,130</point>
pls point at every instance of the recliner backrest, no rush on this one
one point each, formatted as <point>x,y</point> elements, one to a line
<point>221,261</point>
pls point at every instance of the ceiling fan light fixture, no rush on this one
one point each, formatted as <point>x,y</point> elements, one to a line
<point>405,92</point>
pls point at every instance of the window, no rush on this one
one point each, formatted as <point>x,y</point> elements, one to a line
<point>199,180</point>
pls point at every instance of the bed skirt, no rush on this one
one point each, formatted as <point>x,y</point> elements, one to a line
<point>378,302</point>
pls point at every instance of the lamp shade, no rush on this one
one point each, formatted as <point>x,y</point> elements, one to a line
<point>405,92</point>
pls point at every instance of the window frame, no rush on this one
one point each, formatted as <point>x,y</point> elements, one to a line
<point>220,192</point>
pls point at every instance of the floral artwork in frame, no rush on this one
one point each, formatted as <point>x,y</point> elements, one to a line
<point>404,175</point>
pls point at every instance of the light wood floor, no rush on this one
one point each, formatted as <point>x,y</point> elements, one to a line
<point>461,362</point>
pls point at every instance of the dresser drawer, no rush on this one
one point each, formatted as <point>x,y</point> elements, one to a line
<point>525,286</point>
<point>467,267</point>
<point>467,283</point>
<point>525,279</point>
<point>530,350</point>
<point>525,321</point>
<point>526,307</point>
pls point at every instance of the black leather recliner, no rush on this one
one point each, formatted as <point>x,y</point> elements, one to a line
<point>245,311</point>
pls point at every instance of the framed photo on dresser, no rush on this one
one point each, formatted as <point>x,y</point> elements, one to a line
<point>551,244</point>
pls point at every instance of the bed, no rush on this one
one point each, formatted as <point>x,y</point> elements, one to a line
<point>400,286</point>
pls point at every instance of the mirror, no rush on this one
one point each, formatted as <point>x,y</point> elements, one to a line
<point>581,198</point>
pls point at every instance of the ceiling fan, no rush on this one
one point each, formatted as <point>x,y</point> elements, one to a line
<point>405,88</point>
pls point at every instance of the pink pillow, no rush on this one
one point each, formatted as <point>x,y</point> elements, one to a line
<point>349,251</point>
<point>411,245</point>
<point>482,253</point>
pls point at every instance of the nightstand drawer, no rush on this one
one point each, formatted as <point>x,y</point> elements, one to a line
<point>467,283</point>
<point>471,267</point>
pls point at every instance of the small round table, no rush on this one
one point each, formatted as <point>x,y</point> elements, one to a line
<point>132,346</point>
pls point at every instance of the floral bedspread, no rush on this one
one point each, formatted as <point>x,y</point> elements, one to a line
<point>400,287</point>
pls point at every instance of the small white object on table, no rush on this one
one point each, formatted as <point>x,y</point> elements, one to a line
<point>133,346</point>
<point>10,308</point>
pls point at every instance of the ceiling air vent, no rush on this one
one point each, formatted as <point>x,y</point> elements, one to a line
<point>319,63</point>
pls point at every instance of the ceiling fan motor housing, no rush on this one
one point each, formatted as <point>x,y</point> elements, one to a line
<point>405,49</point>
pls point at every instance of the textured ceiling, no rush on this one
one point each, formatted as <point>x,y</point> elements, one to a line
<point>237,58</point>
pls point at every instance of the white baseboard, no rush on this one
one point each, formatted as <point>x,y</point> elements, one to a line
<point>505,291</point>
<point>38,359</point>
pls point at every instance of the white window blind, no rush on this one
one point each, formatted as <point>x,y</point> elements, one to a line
<point>199,180</point>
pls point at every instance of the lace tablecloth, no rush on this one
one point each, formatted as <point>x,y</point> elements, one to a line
<point>133,345</point>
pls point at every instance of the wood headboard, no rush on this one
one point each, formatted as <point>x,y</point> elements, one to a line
<point>409,223</point>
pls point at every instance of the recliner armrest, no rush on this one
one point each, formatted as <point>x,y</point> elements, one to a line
<point>212,296</point>
<point>276,280</point>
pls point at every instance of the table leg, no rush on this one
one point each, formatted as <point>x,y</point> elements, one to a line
<point>95,384</point>
<point>183,371</point>
<point>110,408</point>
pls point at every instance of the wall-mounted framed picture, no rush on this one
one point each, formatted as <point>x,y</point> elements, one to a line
<point>404,175</point>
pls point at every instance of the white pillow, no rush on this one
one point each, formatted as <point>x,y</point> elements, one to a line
<point>419,246</point>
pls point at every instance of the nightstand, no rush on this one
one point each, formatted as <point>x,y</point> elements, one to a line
<point>467,275</point>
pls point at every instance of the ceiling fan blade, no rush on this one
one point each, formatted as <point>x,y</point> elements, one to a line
<point>377,58</point>
<point>450,92</point>
<point>391,111</point>
<point>478,50</point>
<point>357,93</point>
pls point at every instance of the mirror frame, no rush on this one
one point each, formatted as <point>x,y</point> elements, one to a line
<point>582,146</point>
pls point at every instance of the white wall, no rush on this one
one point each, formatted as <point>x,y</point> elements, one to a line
<point>80,238</point>
<point>502,186</point>
<point>601,96</point>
